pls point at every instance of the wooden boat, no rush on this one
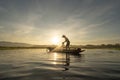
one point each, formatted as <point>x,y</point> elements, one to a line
<point>72,51</point>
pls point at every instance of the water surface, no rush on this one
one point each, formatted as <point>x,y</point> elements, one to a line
<point>37,64</point>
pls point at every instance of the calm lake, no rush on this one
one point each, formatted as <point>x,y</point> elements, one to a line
<point>37,64</point>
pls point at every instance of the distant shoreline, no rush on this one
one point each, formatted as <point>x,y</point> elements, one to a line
<point>83,47</point>
<point>14,45</point>
<point>11,48</point>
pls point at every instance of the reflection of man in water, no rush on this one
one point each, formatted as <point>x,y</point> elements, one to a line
<point>67,42</point>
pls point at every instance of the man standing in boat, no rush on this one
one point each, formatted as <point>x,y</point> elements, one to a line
<point>67,46</point>
<point>67,42</point>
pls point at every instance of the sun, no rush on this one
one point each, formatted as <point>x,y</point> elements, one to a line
<point>55,40</point>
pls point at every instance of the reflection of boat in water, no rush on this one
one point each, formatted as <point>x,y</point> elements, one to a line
<point>71,51</point>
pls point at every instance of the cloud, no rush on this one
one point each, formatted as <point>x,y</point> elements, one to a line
<point>95,25</point>
<point>1,27</point>
<point>94,11</point>
<point>31,18</point>
<point>81,20</point>
<point>2,9</point>
<point>23,29</point>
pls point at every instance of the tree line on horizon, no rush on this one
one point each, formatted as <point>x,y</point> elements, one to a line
<point>88,46</point>
<point>117,45</point>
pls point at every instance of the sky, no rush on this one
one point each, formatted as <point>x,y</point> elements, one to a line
<point>40,21</point>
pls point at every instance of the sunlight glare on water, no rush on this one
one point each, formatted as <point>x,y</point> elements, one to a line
<point>54,57</point>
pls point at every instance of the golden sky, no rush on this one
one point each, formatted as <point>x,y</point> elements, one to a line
<point>45,21</point>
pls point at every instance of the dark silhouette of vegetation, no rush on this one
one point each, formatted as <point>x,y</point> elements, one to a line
<point>102,46</point>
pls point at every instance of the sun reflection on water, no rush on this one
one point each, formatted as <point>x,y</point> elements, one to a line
<point>55,58</point>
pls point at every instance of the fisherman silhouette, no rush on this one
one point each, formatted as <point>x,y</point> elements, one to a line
<point>67,42</point>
